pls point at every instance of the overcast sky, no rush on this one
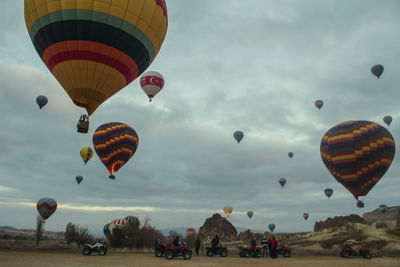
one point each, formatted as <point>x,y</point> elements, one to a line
<point>255,66</point>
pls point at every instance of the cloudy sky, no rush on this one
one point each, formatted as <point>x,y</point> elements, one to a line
<point>255,66</point>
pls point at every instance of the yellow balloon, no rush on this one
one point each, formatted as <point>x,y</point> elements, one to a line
<point>228,210</point>
<point>86,154</point>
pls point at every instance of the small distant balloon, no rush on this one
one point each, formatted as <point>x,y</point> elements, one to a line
<point>282,182</point>
<point>79,179</point>
<point>328,192</point>
<point>238,135</point>
<point>190,231</point>
<point>228,210</point>
<point>250,214</point>
<point>46,207</point>
<point>290,154</point>
<point>377,70</point>
<point>319,104</point>
<point>41,101</point>
<point>86,154</point>
<point>152,82</point>
<point>387,120</point>
<point>305,215</point>
<point>271,227</point>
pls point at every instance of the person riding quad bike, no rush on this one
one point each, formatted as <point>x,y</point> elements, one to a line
<point>353,248</point>
<point>214,244</point>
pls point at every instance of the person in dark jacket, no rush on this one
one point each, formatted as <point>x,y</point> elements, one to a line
<point>253,243</point>
<point>274,247</point>
<point>264,243</point>
<point>214,244</point>
<point>197,245</point>
<point>176,241</point>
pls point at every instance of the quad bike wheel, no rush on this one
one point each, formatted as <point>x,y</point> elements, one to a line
<point>169,255</point>
<point>186,255</point>
<point>224,252</point>
<point>86,251</point>
<point>102,251</point>
<point>286,253</point>
<point>344,254</point>
<point>210,253</point>
<point>367,256</point>
<point>159,253</point>
<point>258,254</point>
<point>246,254</point>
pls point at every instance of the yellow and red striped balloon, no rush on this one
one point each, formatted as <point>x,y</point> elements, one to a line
<point>357,154</point>
<point>94,48</point>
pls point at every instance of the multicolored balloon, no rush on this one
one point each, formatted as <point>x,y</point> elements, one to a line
<point>305,216</point>
<point>41,101</point>
<point>96,48</point>
<point>250,214</point>
<point>152,82</point>
<point>115,143</point>
<point>117,226</point>
<point>319,104</point>
<point>228,210</point>
<point>79,179</point>
<point>238,135</point>
<point>282,181</point>
<point>357,154</point>
<point>328,192</point>
<point>106,230</point>
<point>46,207</point>
<point>377,70</point>
<point>132,220</point>
<point>290,154</point>
<point>86,154</point>
<point>387,120</point>
<point>271,227</point>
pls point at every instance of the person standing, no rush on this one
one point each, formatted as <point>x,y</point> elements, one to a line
<point>197,245</point>
<point>274,247</point>
<point>214,244</point>
<point>264,243</point>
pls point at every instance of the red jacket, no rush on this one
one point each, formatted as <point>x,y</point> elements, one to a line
<point>274,243</point>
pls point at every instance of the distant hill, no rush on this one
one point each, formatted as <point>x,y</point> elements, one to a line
<point>7,228</point>
<point>388,218</point>
<point>9,232</point>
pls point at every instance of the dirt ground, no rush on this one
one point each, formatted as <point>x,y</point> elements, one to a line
<point>18,258</point>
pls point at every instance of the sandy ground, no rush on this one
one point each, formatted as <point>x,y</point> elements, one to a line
<point>18,258</point>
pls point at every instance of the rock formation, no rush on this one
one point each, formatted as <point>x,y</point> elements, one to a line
<point>339,223</point>
<point>216,224</point>
<point>388,219</point>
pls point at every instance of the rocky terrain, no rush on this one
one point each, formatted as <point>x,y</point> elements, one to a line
<point>338,223</point>
<point>216,224</point>
<point>388,218</point>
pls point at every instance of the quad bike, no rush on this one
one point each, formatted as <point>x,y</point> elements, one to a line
<point>222,251</point>
<point>348,251</point>
<point>246,252</point>
<point>160,250</point>
<point>99,247</point>
<point>284,251</point>
<point>172,251</point>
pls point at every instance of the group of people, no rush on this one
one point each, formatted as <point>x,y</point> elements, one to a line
<point>269,246</point>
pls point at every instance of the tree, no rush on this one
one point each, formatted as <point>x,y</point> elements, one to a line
<point>39,229</point>
<point>70,233</point>
<point>77,234</point>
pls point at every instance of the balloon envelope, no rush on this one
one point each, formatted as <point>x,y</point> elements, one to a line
<point>271,227</point>
<point>290,154</point>
<point>79,179</point>
<point>190,231</point>
<point>319,104</point>
<point>106,230</point>
<point>305,216</point>
<point>238,135</point>
<point>132,220</point>
<point>282,181</point>
<point>41,101</point>
<point>357,154</point>
<point>152,82</point>
<point>115,143</point>
<point>387,120</point>
<point>95,48</point>
<point>86,153</point>
<point>377,70</point>
<point>46,207</point>
<point>117,225</point>
<point>328,192</point>
<point>228,210</point>
<point>250,214</point>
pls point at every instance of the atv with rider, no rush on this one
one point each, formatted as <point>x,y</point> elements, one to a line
<point>284,251</point>
<point>172,251</point>
<point>353,248</point>
<point>245,252</point>
<point>220,250</point>
<point>99,247</point>
<point>160,250</point>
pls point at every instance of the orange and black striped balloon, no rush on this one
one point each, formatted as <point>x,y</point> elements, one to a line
<point>94,48</point>
<point>115,143</point>
<point>357,154</point>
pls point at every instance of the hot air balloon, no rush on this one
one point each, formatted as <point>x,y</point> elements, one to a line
<point>319,104</point>
<point>357,154</point>
<point>152,82</point>
<point>115,143</point>
<point>79,179</point>
<point>106,230</point>
<point>360,204</point>
<point>290,154</point>
<point>96,48</point>
<point>250,214</point>
<point>282,181</point>
<point>271,227</point>
<point>190,231</point>
<point>387,120</point>
<point>117,226</point>
<point>41,101</point>
<point>228,210</point>
<point>86,154</point>
<point>377,70</point>
<point>305,215</point>
<point>46,207</point>
<point>238,135</point>
<point>383,208</point>
<point>132,220</point>
<point>328,192</point>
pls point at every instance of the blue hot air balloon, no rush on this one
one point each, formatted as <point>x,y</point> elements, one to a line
<point>328,192</point>
<point>238,135</point>
<point>271,227</point>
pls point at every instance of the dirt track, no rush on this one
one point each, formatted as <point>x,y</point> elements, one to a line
<point>17,258</point>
